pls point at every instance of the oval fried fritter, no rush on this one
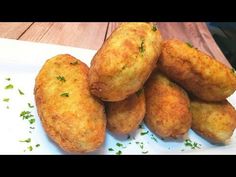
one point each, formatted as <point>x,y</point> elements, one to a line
<point>214,121</point>
<point>125,61</point>
<point>124,117</point>
<point>197,72</point>
<point>167,107</point>
<point>70,115</point>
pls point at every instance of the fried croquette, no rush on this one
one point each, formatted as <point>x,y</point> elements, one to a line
<point>125,61</point>
<point>214,121</point>
<point>124,117</point>
<point>197,72</point>
<point>167,107</point>
<point>70,115</point>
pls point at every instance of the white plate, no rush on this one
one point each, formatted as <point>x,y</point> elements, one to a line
<point>21,61</point>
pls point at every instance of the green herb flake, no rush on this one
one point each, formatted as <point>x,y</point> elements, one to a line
<point>110,149</point>
<point>32,127</point>
<point>37,145</point>
<point>119,152</point>
<point>10,86</point>
<point>154,28</point>
<point>137,142</point>
<point>145,152</point>
<point>26,114</point>
<point>74,63</point>
<point>65,94</point>
<point>153,138</point>
<point>30,148</point>
<point>61,78</point>
<point>31,121</point>
<point>119,144</point>
<point>141,48</point>
<point>26,141</point>
<point>6,99</point>
<point>7,107</point>
<point>20,92</point>
<point>8,79</point>
<point>138,93</point>
<point>144,133</point>
<point>189,44</point>
<point>141,146</point>
<point>191,144</point>
<point>30,106</point>
<point>140,126</point>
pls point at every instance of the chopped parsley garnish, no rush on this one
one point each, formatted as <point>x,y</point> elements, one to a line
<point>37,145</point>
<point>153,138</point>
<point>141,146</point>
<point>144,133</point>
<point>31,121</point>
<point>74,63</point>
<point>10,86</point>
<point>141,48</point>
<point>20,92</point>
<point>6,99</point>
<point>118,152</point>
<point>119,144</point>
<point>154,28</point>
<point>30,106</point>
<point>8,79</point>
<point>189,44</point>
<point>61,78</point>
<point>30,148</point>
<point>145,152</point>
<point>7,107</point>
<point>138,93</point>
<point>137,142</point>
<point>190,143</point>
<point>110,149</point>
<point>26,114</point>
<point>26,141</point>
<point>32,127</point>
<point>65,94</point>
<point>140,126</point>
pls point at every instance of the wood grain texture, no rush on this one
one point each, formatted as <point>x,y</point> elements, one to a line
<point>13,30</point>
<point>36,31</point>
<point>195,33</point>
<point>84,35</point>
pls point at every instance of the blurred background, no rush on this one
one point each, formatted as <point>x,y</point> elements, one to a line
<point>224,34</point>
<point>217,39</point>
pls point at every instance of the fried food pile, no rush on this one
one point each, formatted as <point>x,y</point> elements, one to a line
<point>135,76</point>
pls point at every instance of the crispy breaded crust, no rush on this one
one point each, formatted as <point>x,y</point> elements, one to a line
<point>196,71</point>
<point>125,61</point>
<point>167,107</point>
<point>214,121</point>
<point>124,117</point>
<point>76,123</point>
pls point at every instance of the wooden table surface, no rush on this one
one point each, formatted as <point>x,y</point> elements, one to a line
<point>91,35</point>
